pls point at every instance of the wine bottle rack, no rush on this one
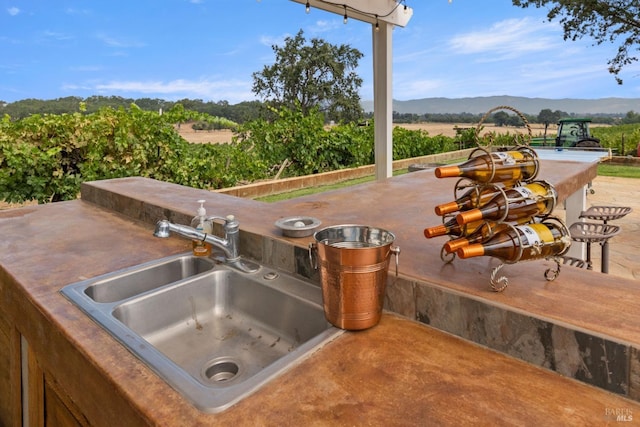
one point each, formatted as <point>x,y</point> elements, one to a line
<point>498,282</point>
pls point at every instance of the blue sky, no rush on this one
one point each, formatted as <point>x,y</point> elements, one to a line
<point>208,49</point>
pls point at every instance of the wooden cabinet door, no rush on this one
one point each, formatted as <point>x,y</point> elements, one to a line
<point>59,411</point>
<point>48,405</point>
<point>10,380</point>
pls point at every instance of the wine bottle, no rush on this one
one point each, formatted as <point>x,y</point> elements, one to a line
<point>451,228</point>
<point>505,166</point>
<point>482,233</point>
<point>522,242</point>
<point>475,197</point>
<point>535,199</point>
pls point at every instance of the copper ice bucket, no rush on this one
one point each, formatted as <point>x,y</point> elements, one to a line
<point>353,262</point>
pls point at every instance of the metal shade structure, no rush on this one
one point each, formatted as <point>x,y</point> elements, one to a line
<point>372,11</point>
<point>383,15</point>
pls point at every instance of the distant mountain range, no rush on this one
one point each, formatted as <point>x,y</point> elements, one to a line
<point>533,106</point>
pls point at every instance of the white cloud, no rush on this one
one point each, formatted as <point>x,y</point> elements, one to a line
<point>206,88</point>
<point>233,52</point>
<point>7,40</point>
<point>72,11</point>
<point>508,38</point>
<point>76,87</point>
<point>13,11</point>
<point>118,53</point>
<point>86,68</point>
<point>417,56</point>
<point>272,40</point>
<point>521,57</point>
<point>116,42</point>
<point>11,67</point>
<point>324,26</point>
<point>57,36</point>
<point>407,89</point>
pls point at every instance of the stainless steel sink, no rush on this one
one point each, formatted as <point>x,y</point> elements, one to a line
<point>214,333</point>
<point>137,280</point>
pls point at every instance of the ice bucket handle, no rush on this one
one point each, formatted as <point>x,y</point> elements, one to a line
<point>396,251</point>
<point>313,259</point>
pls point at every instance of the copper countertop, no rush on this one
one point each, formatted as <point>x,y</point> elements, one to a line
<point>398,373</point>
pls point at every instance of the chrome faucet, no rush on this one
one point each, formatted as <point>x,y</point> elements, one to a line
<point>230,244</point>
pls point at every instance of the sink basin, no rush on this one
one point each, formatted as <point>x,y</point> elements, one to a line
<point>214,333</point>
<point>136,280</point>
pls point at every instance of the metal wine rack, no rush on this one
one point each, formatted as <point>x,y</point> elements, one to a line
<point>499,283</point>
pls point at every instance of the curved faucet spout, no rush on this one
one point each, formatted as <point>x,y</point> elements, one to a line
<point>229,244</point>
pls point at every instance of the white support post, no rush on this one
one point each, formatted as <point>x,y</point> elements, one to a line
<point>383,100</point>
<point>383,15</point>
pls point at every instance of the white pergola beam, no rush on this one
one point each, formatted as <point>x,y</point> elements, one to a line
<point>389,11</point>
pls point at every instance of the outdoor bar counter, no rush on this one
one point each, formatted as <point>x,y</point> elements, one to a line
<point>448,350</point>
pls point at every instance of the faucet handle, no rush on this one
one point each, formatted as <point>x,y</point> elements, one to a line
<point>162,229</point>
<point>216,218</point>
<point>229,222</point>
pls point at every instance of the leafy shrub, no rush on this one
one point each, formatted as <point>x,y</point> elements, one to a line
<point>623,139</point>
<point>348,145</point>
<point>46,158</point>
<point>40,157</point>
<point>214,123</point>
<point>292,137</point>
<point>311,148</point>
<point>414,143</point>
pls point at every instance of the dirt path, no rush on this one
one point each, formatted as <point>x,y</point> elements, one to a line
<point>205,136</point>
<point>624,249</point>
<point>446,129</point>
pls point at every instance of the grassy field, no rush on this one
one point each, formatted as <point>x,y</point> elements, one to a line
<point>446,129</point>
<point>321,188</point>
<point>619,171</point>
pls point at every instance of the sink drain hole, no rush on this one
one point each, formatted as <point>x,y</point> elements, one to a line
<point>221,370</point>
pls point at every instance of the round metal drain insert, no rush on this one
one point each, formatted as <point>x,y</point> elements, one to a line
<point>220,370</point>
<point>272,275</point>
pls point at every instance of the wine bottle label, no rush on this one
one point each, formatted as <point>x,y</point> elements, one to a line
<point>529,236</point>
<point>535,234</point>
<point>524,192</point>
<point>505,158</point>
<point>538,188</point>
<point>543,231</point>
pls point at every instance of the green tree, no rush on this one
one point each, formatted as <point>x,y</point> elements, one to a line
<point>317,75</point>
<point>501,118</point>
<point>514,120</point>
<point>603,20</point>
<point>631,117</point>
<point>546,117</point>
